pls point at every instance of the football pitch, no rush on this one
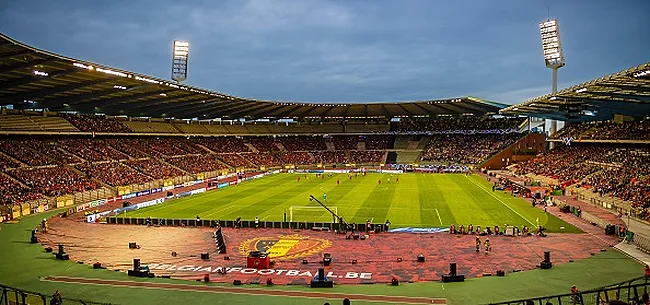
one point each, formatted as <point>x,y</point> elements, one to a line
<point>416,200</point>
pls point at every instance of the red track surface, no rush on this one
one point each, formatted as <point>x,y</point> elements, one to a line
<point>251,291</point>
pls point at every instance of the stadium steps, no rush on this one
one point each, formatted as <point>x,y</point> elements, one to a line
<point>402,142</point>
<point>408,157</point>
<point>361,145</point>
<point>280,146</point>
<point>330,146</point>
<point>251,147</point>
<point>423,142</point>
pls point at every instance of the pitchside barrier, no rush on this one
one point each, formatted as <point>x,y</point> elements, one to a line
<point>630,292</point>
<point>318,226</point>
<point>15,296</point>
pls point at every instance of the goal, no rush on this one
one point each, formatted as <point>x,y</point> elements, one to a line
<point>311,214</point>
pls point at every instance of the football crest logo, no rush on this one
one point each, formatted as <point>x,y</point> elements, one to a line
<point>285,247</point>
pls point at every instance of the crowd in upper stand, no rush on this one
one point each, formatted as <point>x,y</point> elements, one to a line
<point>608,130</point>
<point>465,149</point>
<point>97,123</point>
<point>446,124</point>
<point>113,173</point>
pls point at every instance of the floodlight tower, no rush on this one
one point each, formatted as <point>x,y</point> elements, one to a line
<point>553,55</point>
<point>180,55</point>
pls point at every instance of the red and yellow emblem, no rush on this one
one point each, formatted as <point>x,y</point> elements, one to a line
<point>285,247</point>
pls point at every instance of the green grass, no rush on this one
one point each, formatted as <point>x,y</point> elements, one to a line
<point>21,265</point>
<point>417,200</point>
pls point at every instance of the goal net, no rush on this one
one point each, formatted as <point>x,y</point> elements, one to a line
<point>311,214</point>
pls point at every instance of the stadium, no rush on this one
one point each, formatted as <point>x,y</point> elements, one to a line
<point>124,188</point>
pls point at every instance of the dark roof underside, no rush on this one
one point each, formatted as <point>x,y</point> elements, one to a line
<point>626,93</point>
<point>35,79</point>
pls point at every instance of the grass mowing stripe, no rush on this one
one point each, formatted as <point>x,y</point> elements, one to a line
<point>432,198</point>
<point>381,195</point>
<point>498,199</point>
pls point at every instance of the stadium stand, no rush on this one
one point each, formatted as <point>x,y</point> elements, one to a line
<point>465,149</point>
<point>113,173</point>
<point>53,181</point>
<point>606,130</point>
<point>97,123</point>
<point>155,168</point>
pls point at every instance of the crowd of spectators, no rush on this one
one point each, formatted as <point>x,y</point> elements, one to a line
<point>113,173</point>
<point>223,144</point>
<point>155,168</point>
<point>606,130</point>
<point>97,123</point>
<point>195,164</point>
<point>91,150</point>
<point>263,144</point>
<point>54,181</point>
<point>378,142</point>
<point>6,162</point>
<point>125,148</point>
<point>12,192</point>
<point>263,159</point>
<point>565,163</point>
<point>297,158</point>
<point>366,156</point>
<point>303,143</point>
<point>607,170</point>
<point>36,151</point>
<point>455,124</point>
<point>161,147</point>
<point>330,157</point>
<point>235,160</point>
<point>345,142</point>
<point>465,149</point>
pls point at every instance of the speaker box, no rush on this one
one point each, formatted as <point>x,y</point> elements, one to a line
<point>545,265</point>
<point>501,273</point>
<point>138,273</point>
<point>321,274</point>
<point>133,245</point>
<point>205,256</point>
<point>420,258</point>
<point>322,284</point>
<point>136,264</point>
<point>236,282</point>
<point>453,278</point>
<point>452,269</point>
<point>34,240</point>
<point>62,256</point>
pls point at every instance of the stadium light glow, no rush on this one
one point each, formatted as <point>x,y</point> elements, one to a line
<point>180,55</point>
<point>581,90</point>
<point>119,87</point>
<point>111,72</point>
<point>40,73</point>
<point>78,65</point>
<point>642,73</point>
<point>551,44</point>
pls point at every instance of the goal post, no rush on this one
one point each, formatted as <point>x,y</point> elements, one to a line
<point>299,213</point>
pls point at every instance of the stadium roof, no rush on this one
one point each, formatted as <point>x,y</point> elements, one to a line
<point>626,92</point>
<point>35,79</point>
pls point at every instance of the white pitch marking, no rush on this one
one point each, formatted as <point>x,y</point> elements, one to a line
<point>497,198</point>
<point>439,217</point>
